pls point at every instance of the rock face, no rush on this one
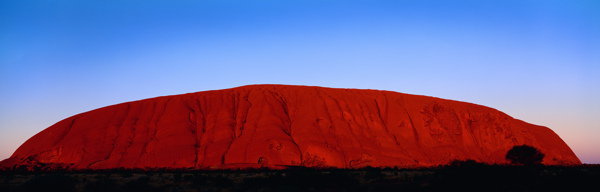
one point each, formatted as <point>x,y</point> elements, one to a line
<point>280,125</point>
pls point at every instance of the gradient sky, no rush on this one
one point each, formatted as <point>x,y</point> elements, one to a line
<point>538,61</point>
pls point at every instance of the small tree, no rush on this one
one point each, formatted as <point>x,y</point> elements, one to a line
<point>524,155</point>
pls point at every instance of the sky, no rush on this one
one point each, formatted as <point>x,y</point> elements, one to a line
<point>535,60</point>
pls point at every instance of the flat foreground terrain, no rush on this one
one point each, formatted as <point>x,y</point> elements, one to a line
<point>450,178</point>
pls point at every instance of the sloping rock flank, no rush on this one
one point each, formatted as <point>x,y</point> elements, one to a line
<point>282,125</point>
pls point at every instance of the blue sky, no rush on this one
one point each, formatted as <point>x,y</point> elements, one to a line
<point>535,60</point>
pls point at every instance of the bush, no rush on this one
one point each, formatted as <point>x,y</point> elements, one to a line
<point>464,163</point>
<point>524,155</point>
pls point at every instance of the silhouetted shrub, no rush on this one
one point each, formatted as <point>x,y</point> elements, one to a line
<point>464,163</point>
<point>524,155</point>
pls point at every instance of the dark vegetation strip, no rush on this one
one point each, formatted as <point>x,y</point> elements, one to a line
<point>460,175</point>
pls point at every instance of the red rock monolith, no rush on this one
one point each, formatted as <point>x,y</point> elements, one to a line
<point>281,125</point>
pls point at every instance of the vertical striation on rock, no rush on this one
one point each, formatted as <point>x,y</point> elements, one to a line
<point>282,125</point>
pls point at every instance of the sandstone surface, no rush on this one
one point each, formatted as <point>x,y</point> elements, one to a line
<point>282,125</point>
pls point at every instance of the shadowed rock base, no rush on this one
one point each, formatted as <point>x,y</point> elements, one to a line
<point>281,125</point>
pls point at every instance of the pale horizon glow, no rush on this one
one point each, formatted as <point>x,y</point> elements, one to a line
<point>535,60</point>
